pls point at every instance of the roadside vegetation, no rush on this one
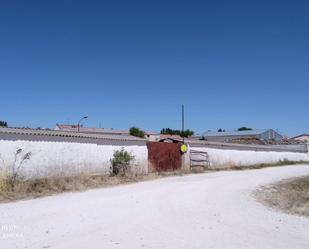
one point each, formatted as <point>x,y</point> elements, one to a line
<point>291,196</point>
<point>10,174</point>
<point>35,188</point>
<point>284,162</point>
<point>233,166</point>
<point>13,186</point>
<point>121,163</point>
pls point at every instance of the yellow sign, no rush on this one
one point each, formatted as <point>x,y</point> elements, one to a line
<point>183,148</point>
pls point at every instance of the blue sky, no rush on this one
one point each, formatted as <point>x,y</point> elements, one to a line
<point>124,63</point>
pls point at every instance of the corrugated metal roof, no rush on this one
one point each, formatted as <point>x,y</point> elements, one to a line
<point>234,133</point>
<point>302,135</point>
<point>231,146</point>
<point>29,131</point>
<point>74,128</point>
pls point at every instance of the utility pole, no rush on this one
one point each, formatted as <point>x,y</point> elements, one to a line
<point>183,122</point>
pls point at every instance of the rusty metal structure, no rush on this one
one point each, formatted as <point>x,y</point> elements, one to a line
<point>164,156</point>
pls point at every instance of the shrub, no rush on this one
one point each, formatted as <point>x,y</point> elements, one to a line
<point>134,131</point>
<point>121,161</point>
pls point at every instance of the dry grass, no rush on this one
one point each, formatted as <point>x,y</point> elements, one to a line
<point>267,165</point>
<point>48,186</point>
<point>36,188</point>
<point>291,196</point>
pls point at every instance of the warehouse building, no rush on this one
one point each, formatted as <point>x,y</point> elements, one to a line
<point>267,134</point>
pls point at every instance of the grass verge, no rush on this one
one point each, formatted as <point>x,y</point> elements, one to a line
<point>267,165</point>
<point>291,196</point>
<point>36,188</point>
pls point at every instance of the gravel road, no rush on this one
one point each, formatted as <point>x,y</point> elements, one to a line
<point>214,210</point>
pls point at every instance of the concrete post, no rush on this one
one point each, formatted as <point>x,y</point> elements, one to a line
<point>185,161</point>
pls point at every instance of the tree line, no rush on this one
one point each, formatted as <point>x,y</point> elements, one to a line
<point>243,128</point>
<point>186,133</point>
<point>134,131</point>
<point>3,123</point>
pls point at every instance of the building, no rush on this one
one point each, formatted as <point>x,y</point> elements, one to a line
<point>170,138</point>
<point>82,129</point>
<point>74,128</point>
<point>302,137</point>
<point>267,134</point>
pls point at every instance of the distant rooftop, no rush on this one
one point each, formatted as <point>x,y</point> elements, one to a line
<point>60,133</point>
<point>235,133</point>
<point>170,137</point>
<point>82,129</point>
<point>302,135</point>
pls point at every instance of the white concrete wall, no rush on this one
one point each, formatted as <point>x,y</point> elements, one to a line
<point>59,158</point>
<point>221,158</point>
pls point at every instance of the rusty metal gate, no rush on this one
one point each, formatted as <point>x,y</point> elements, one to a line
<point>163,156</point>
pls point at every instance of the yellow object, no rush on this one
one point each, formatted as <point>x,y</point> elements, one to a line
<point>183,148</point>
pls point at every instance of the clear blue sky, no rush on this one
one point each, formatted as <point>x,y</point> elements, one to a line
<point>124,63</point>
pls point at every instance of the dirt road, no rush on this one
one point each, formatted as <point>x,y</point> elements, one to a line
<point>214,210</point>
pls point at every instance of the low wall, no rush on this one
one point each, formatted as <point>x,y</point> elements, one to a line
<point>50,158</point>
<point>225,158</point>
<point>55,153</point>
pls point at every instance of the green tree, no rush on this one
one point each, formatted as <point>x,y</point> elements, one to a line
<point>3,123</point>
<point>221,130</point>
<point>134,131</point>
<point>244,128</point>
<point>170,131</point>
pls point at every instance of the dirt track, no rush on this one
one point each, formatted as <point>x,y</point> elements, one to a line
<point>213,210</point>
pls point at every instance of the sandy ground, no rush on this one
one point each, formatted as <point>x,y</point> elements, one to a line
<point>214,210</point>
